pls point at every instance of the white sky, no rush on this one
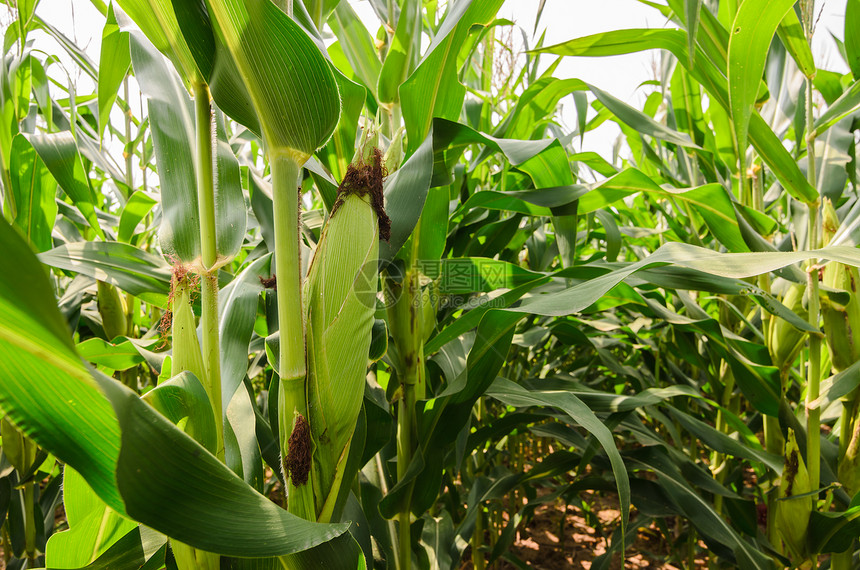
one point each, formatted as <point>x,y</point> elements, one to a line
<point>621,76</point>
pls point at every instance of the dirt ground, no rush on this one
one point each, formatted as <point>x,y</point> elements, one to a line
<point>544,543</point>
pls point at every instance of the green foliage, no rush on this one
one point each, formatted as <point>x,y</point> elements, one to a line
<point>189,329</point>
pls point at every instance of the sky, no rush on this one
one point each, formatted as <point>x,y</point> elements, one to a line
<point>562,20</point>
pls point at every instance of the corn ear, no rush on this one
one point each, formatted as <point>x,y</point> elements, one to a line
<point>829,220</point>
<point>794,504</point>
<point>188,358</point>
<point>340,297</point>
<point>186,347</point>
<point>112,311</point>
<point>784,340</point>
<point>849,464</point>
<point>842,322</point>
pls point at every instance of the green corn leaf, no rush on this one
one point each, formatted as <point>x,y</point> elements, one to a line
<point>357,45</point>
<point>515,395</point>
<point>433,89</point>
<point>402,55</point>
<point>93,526</point>
<point>712,79</point>
<point>35,344</point>
<point>41,90</point>
<point>132,457</point>
<point>640,121</point>
<point>752,32</point>
<point>847,104</point>
<point>114,63</point>
<point>60,154</point>
<point>794,39</point>
<point>537,104</point>
<point>237,313</point>
<point>700,512</point>
<point>133,270</point>
<point>136,208</point>
<point>141,548</point>
<point>78,55</point>
<point>319,10</point>
<point>852,42</point>
<point>120,356</point>
<point>734,265</point>
<point>157,20</point>
<point>692,9</point>
<point>264,71</point>
<point>34,189</point>
<point>405,193</point>
<point>341,553</point>
<point>183,399</point>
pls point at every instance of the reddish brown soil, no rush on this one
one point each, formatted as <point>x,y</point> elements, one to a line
<point>541,544</point>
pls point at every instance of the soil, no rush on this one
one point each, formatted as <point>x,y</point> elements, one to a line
<point>543,543</point>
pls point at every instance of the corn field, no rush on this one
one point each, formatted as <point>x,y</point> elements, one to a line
<point>327,295</point>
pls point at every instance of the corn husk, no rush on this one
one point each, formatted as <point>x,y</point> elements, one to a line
<point>112,311</point>
<point>784,340</point>
<point>849,465</point>
<point>187,357</point>
<point>794,504</point>
<point>340,302</point>
<point>842,322</point>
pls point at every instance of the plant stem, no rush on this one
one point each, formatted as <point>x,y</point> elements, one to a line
<point>205,175</point>
<point>392,531</point>
<point>407,322</point>
<point>129,149</point>
<point>288,273</point>
<point>478,560</point>
<point>29,522</point>
<point>209,282</point>
<point>404,457</point>
<point>813,428</point>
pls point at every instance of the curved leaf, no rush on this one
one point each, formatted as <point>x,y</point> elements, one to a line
<point>131,269</point>
<point>93,526</point>
<point>433,90</point>
<point>712,79</point>
<point>114,63</point>
<point>262,65</point>
<point>752,32</point>
<point>183,399</point>
<point>34,189</point>
<point>60,154</point>
<point>513,394</point>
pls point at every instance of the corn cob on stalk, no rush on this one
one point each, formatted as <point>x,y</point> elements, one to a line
<point>841,322</point>
<point>112,310</point>
<point>849,462</point>
<point>842,332</point>
<point>188,358</point>
<point>340,301</point>
<point>784,340</point>
<point>794,504</point>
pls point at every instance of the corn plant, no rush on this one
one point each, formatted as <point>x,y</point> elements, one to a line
<point>362,302</point>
